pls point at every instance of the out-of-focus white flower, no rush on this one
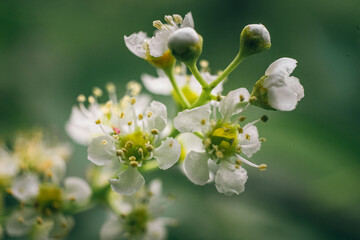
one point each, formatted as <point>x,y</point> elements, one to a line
<point>8,167</point>
<point>277,89</point>
<point>137,216</point>
<point>45,206</point>
<point>155,50</point>
<point>188,84</point>
<point>132,144</point>
<point>224,141</point>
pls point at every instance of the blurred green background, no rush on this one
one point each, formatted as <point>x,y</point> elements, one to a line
<point>51,51</point>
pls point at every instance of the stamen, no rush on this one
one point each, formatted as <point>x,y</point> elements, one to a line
<point>39,220</point>
<point>121,115</point>
<point>132,158</point>
<point>91,100</point>
<point>104,142</point>
<point>97,92</point>
<point>240,130</point>
<point>116,137</point>
<point>262,167</point>
<point>64,224</point>
<point>242,98</point>
<point>72,199</point>
<point>132,100</point>
<point>154,131</point>
<point>219,154</point>
<point>252,99</point>
<point>149,148</point>
<point>129,123</point>
<point>134,88</point>
<point>242,118</point>
<point>262,139</point>
<point>171,144</point>
<point>149,114</point>
<point>140,117</point>
<point>98,121</point>
<point>207,142</point>
<point>110,87</point>
<point>158,24</point>
<point>124,150</point>
<point>119,153</point>
<point>177,70</point>
<point>247,136</point>
<point>264,118</point>
<point>203,121</point>
<point>204,64</point>
<point>169,19</point>
<point>20,219</point>
<point>81,98</point>
<point>177,18</point>
<point>141,153</point>
<point>129,144</point>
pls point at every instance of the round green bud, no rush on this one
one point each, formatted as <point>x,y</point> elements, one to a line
<point>254,38</point>
<point>185,44</point>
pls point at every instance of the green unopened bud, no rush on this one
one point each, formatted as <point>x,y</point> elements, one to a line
<point>185,44</point>
<point>254,38</point>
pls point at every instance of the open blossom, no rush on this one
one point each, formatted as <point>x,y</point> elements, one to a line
<point>155,49</point>
<point>277,89</point>
<point>45,206</point>
<point>132,144</point>
<point>9,167</point>
<point>223,144</point>
<point>188,84</point>
<point>137,216</point>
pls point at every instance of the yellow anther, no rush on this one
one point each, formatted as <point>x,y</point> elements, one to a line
<point>133,163</point>
<point>81,98</point>
<point>64,224</point>
<point>9,191</point>
<point>49,174</point>
<point>97,92</point>
<point>242,98</point>
<point>121,115</point>
<point>116,137</point>
<point>262,139</point>
<point>262,167</point>
<point>119,152</point>
<point>177,70</point>
<point>218,97</point>
<point>158,24</point>
<point>149,114</point>
<point>171,144</point>
<point>108,104</point>
<point>141,151</point>
<point>238,149</point>
<point>169,19</point>
<point>238,162</point>
<point>242,118</point>
<point>140,116</point>
<point>72,199</point>
<point>247,136</point>
<point>252,99</point>
<point>20,219</point>
<point>132,158</point>
<point>155,131</point>
<point>219,154</point>
<point>91,99</point>
<point>134,88</point>
<point>177,18</point>
<point>204,64</point>
<point>104,142</point>
<point>237,166</point>
<point>39,220</point>
<point>129,123</point>
<point>203,121</point>
<point>124,150</point>
<point>207,142</point>
<point>149,148</point>
<point>240,130</point>
<point>98,121</point>
<point>110,87</point>
<point>132,100</point>
<point>129,144</point>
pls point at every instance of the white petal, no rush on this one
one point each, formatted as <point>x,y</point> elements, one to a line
<point>112,229</point>
<point>62,226</point>
<point>168,153</point>
<point>20,222</point>
<point>155,187</point>
<point>77,190</point>
<point>101,150</point>
<point>157,85</point>
<point>231,104</point>
<point>8,164</point>
<point>196,167</point>
<point>294,84</point>
<point>282,98</point>
<point>26,187</point>
<point>158,44</point>
<point>42,231</point>
<point>192,120</point>
<point>58,168</point>
<point>159,114</point>
<point>135,43</point>
<point>128,182</point>
<point>251,146</point>
<point>230,180</point>
<point>190,142</point>
<point>188,21</point>
<point>155,230</point>
<point>209,79</point>
<point>284,65</point>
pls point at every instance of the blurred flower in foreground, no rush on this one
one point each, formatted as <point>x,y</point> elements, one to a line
<point>277,90</point>
<point>137,216</point>
<point>223,141</point>
<point>155,50</point>
<point>46,207</point>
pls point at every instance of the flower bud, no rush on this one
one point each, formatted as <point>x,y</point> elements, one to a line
<point>185,44</point>
<point>254,38</point>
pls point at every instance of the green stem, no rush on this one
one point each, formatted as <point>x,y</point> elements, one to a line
<point>237,60</point>
<point>184,102</point>
<point>195,71</point>
<point>174,133</point>
<point>199,135</point>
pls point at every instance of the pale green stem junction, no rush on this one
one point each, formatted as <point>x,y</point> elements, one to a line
<point>170,74</point>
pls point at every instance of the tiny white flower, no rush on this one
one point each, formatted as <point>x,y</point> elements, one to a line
<point>277,89</point>
<point>223,143</point>
<point>8,167</point>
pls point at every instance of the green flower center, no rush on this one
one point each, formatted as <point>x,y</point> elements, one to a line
<point>221,141</point>
<point>135,222</point>
<point>136,145</point>
<point>49,199</point>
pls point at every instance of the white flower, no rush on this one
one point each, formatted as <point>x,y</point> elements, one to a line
<point>223,143</point>
<point>277,89</point>
<point>145,47</point>
<point>45,206</point>
<point>137,216</point>
<point>188,84</point>
<point>133,145</point>
<point>8,167</point>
